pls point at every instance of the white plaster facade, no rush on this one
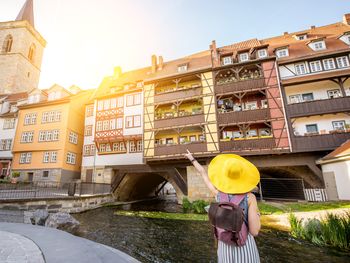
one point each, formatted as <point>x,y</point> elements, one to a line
<point>8,124</point>
<point>324,123</point>
<point>99,162</point>
<point>289,70</point>
<point>7,134</point>
<point>341,171</point>
<point>318,89</point>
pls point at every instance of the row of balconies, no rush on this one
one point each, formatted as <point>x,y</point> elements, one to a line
<point>235,83</point>
<point>323,142</point>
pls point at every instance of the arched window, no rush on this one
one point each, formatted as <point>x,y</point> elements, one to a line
<point>31,53</point>
<point>7,46</point>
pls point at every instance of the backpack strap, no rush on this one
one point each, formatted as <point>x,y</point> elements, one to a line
<point>237,199</point>
<point>223,197</point>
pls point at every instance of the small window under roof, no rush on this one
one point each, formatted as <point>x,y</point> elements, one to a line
<point>301,36</point>
<point>182,68</point>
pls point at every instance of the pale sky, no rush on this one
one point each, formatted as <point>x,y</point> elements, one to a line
<point>88,38</point>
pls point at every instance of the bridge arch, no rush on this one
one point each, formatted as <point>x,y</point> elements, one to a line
<point>141,185</point>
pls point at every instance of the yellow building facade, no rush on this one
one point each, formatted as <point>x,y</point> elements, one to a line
<point>49,139</point>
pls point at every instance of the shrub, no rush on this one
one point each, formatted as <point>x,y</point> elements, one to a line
<point>5,180</point>
<point>197,206</point>
<point>332,231</point>
<point>15,174</point>
<point>296,226</point>
<point>186,205</point>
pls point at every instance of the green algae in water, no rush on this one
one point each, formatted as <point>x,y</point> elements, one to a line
<point>163,215</point>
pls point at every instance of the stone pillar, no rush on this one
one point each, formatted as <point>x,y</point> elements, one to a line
<point>197,189</point>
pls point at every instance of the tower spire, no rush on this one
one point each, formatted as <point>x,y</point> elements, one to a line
<point>26,12</point>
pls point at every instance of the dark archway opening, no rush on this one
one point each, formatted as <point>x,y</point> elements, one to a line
<point>287,183</point>
<point>140,186</point>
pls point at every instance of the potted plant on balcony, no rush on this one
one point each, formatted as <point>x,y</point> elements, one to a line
<point>347,127</point>
<point>14,177</point>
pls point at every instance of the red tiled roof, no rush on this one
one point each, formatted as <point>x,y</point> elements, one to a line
<point>15,96</point>
<point>342,150</point>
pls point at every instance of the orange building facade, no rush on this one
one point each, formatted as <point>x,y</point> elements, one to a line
<point>49,138</point>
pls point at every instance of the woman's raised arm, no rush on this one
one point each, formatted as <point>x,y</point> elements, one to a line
<point>201,171</point>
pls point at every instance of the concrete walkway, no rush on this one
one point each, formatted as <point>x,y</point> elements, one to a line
<point>29,243</point>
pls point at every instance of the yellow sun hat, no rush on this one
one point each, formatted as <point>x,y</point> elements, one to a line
<point>232,174</point>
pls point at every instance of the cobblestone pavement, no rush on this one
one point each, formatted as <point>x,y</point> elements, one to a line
<point>15,248</point>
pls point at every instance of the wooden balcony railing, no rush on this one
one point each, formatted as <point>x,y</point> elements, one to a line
<point>247,144</point>
<point>321,142</point>
<point>318,107</point>
<point>243,116</point>
<point>179,121</point>
<point>178,95</point>
<point>240,86</point>
<point>194,147</point>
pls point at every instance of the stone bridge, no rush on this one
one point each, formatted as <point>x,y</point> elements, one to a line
<point>136,182</point>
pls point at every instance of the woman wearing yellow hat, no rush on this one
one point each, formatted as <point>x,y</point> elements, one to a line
<point>232,175</point>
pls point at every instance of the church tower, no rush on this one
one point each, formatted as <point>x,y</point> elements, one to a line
<point>21,52</point>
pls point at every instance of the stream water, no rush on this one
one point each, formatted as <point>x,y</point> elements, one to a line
<point>159,240</point>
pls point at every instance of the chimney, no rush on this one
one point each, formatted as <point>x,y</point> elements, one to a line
<point>160,62</point>
<point>285,33</point>
<point>346,19</point>
<point>312,27</point>
<point>117,72</point>
<point>154,63</point>
<point>214,54</point>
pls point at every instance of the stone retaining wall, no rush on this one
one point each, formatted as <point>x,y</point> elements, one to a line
<point>69,204</point>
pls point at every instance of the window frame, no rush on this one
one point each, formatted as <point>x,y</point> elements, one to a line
<point>265,53</point>
<point>333,90</point>
<point>133,99</point>
<point>325,62</point>
<point>310,125</point>
<point>341,121</point>
<point>313,64</point>
<point>243,57</point>
<point>227,60</point>
<point>132,117</point>
<point>300,68</point>
<point>71,158</point>
<point>73,137</point>
<point>89,110</point>
<point>284,51</point>
<point>340,62</point>
<point>88,130</point>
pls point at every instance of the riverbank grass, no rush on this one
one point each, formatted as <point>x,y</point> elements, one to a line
<point>333,230</point>
<point>269,208</point>
<point>163,215</point>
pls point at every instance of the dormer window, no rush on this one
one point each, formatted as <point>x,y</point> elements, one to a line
<point>227,60</point>
<point>182,68</point>
<point>34,98</point>
<point>345,38</point>
<point>55,95</point>
<point>318,45</point>
<point>262,53</point>
<point>243,57</point>
<point>301,37</point>
<point>283,52</point>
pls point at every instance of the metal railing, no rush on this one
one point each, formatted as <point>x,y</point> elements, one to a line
<point>282,188</point>
<point>44,189</point>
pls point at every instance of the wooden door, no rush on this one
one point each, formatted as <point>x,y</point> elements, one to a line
<point>89,175</point>
<point>331,185</point>
<point>30,177</point>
